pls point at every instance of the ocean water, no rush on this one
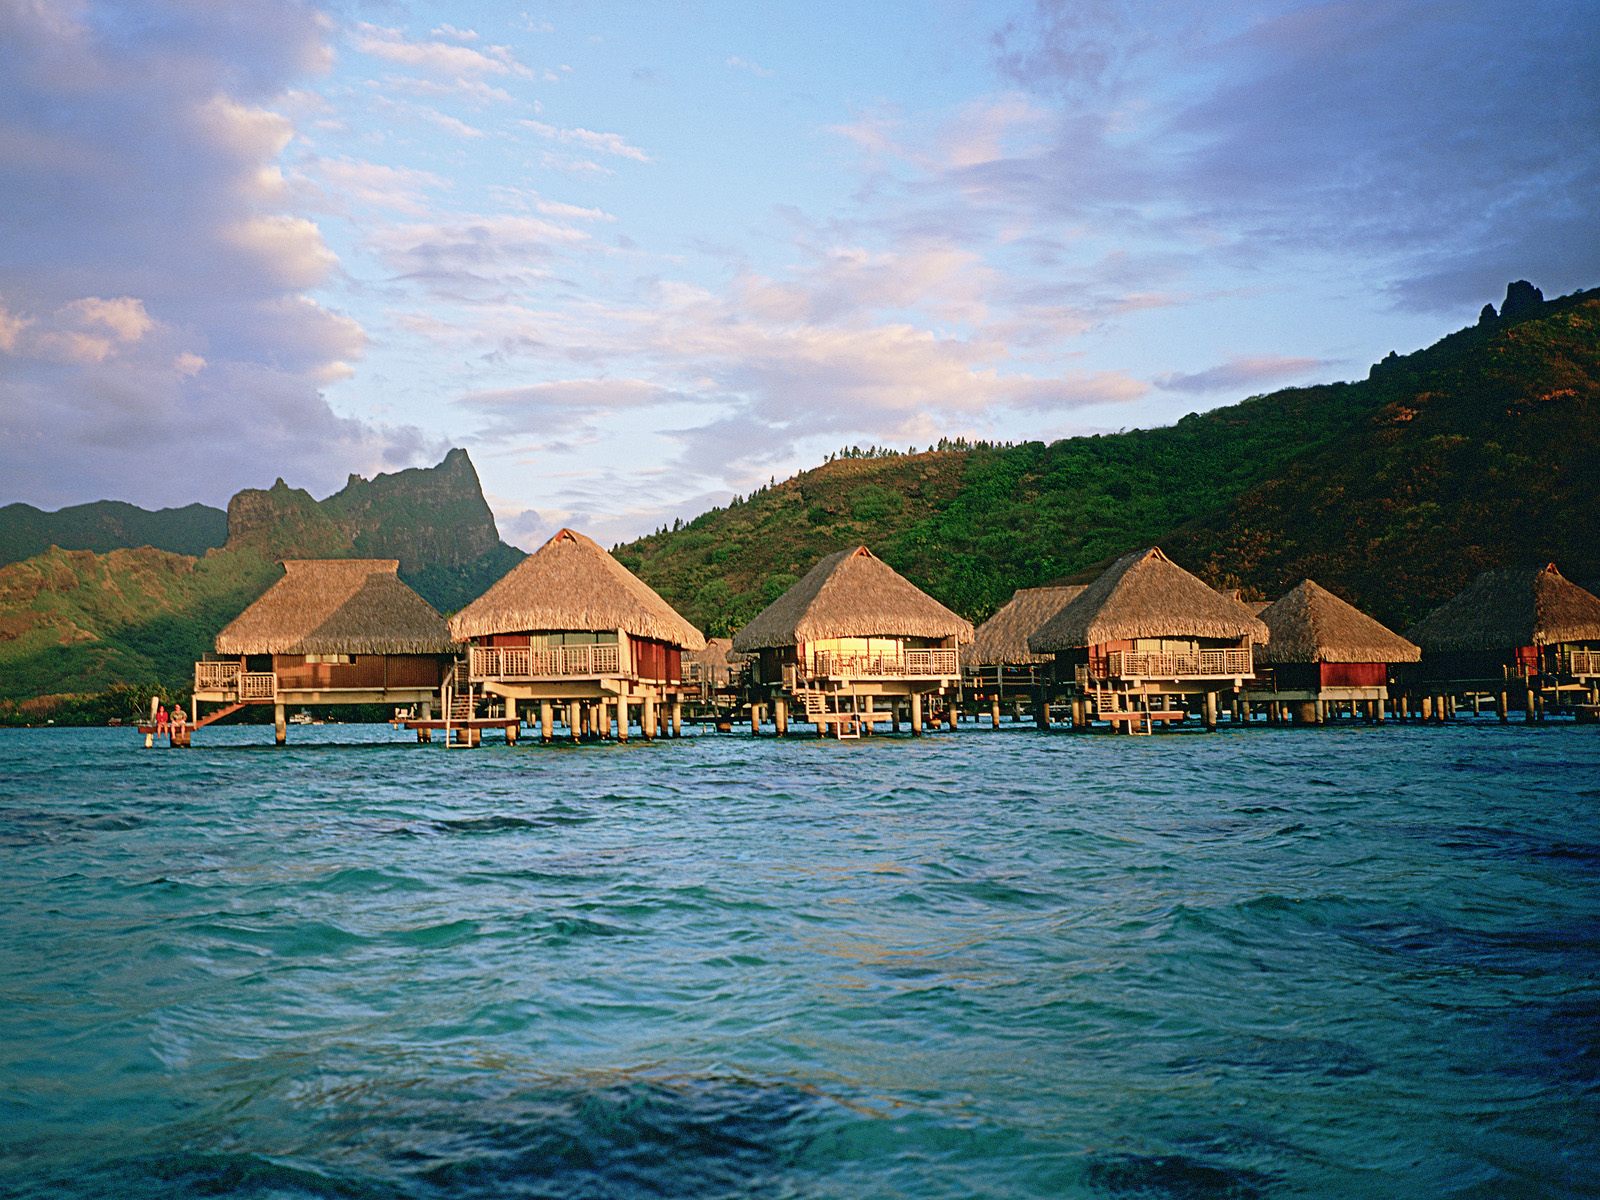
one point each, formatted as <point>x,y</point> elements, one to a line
<point>1327,962</point>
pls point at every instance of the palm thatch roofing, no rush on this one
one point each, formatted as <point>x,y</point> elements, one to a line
<point>1513,606</point>
<point>850,594</point>
<point>1145,594</point>
<point>1002,640</point>
<point>1310,624</point>
<point>338,606</point>
<point>571,583</point>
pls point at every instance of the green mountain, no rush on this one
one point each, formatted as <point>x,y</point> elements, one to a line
<point>109,525</point>
<point>76,622</point>
<point>433,519</point>
<point>1394,491</point>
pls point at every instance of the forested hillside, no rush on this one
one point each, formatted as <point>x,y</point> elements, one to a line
<point>1394,490</point>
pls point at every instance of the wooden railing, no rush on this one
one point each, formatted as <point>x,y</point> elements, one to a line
<point>1126,664</point>
<point>216,676</point>
<point>929,663</point>
<point>1583,662</point>
<point>520,662</point>
<point>261,685</point>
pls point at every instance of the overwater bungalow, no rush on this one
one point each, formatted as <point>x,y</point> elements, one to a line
<point>1322,654</point>
<point>1518,635</point>
<point>852,644</point>
<point>331,631</point>
<point>570,627</point>
<point>1145,635</point>
<point>998,665</point>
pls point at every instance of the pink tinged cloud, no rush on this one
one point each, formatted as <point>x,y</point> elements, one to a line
<point>1242,373</point>
<point>439,58</point>
<point>603,143</point>
<point>152,271</point>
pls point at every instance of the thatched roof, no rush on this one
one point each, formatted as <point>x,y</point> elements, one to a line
<point>1003,638</point>
<point>1145,594</point>
<point>1310,624</point>
<point>851,594</point>
<point>571,583</point>
<point>1514,606</point>
<point>338,606</point>
<point>719,660</point>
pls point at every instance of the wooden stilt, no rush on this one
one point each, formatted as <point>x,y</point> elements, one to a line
<point>1211,711</point>
<point>280,725</point>
<point>647,716</point>
<point>1041,708</point>
<point>546,721</point>
<point>677,718</point>
<point>994,711</point>
<point>951,712</point>
<point>780,716</point>
<point>622,717</point>
<point>916,714</point>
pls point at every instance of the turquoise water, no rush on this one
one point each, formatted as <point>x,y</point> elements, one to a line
<point>1339,962</point>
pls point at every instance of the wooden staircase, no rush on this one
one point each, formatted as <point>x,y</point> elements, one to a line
<point>217,715</point>
<point>458,704</point>
<point>1108,707</point>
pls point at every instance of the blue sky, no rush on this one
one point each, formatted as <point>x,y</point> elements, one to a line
<point>639,257</point>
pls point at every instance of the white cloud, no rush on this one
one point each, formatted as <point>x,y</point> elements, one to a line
<point>439,58</point>
<point>744,64</point>
<point>604,143</point>
<point>153,266</point>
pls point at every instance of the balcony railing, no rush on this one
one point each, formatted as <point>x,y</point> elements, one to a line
<point>1201,664</point>
<point>1583,662</point>
<point>216,676</point>
<point>258,685</point>
<point>908,663</point>
<point>520,662</point>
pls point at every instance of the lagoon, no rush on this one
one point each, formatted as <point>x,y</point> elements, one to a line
<point>1348,961</point>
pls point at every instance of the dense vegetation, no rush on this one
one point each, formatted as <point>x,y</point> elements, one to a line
<point>109,525</point>
<point>1393,490</point>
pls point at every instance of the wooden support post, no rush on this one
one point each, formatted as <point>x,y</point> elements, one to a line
<point>1427,708</point>
<point>894,716</point>
<point>1503,705</point>
<point>572,719</point>
<point>647,716</point>
<point>1244,712</point>
<point>868,706</point>
<point>280,726</point>
<point>511,710</point>
<point>951,713</point>
<point>916,714</point>
<point>1378,706</point>
<point>994,711</point>
<point>512,732</point>
<point>1211,710</point>
<point>1041,707</point>
<point>780,716</point>
<point>547,718</point>
<point>755,718</point>
<point>677,717</point>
